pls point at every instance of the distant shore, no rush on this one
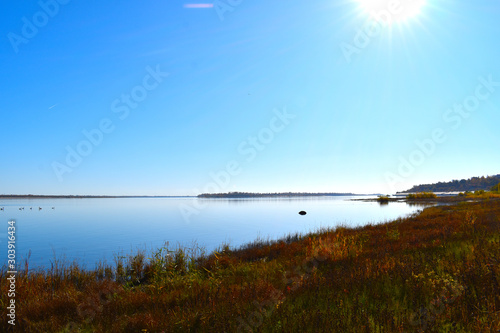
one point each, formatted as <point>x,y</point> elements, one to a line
<point>32,196</point>
<point>204,195</point>
<point>273,195</point>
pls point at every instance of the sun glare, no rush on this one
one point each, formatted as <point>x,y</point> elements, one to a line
<point>392,11</point>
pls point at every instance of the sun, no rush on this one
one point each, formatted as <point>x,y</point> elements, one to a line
<point>391,11</point>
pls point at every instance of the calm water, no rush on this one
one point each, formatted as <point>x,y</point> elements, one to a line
<point>89,230</point>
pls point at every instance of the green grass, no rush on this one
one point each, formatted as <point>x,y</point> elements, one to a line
<point>437,271</point>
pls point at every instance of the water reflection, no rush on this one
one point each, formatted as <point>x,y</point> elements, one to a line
<point>421,204</point>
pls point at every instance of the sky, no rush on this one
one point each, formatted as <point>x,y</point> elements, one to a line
<point>185,97</point>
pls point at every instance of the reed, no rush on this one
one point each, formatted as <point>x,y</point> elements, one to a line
<point>421,195</point>
<point>383,199</point>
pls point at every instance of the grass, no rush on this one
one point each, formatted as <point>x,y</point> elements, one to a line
<point>480,194</point>
<point>437,271</point>
<point>383,199</point>
<point>421,195</point>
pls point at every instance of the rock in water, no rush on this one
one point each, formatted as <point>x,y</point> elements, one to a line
<point>302,212</point>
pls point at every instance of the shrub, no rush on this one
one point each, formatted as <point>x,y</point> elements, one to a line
<point>421,195</point>
<point>383,199</point>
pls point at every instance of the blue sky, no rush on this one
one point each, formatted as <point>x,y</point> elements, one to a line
<point>260,96</point>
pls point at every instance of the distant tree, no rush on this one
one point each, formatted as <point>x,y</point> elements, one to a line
<point>496,188</point>
<point>472,184</point>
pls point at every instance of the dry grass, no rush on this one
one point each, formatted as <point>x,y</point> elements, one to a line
<point>421,195</point>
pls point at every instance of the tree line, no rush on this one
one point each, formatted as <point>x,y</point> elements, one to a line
<point>471,184</point>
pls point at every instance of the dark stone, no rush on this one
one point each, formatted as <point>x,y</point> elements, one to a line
<point>302,212</point>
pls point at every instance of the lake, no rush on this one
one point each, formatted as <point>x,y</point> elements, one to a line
<point>89,230</point>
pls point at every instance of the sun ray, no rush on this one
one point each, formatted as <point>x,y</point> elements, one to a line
<point>391,11</point>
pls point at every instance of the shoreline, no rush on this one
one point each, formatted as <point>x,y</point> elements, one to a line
<point>443,199</point>
<point>423,261</point>
<point>437,200</point>
<point>31,196</point>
